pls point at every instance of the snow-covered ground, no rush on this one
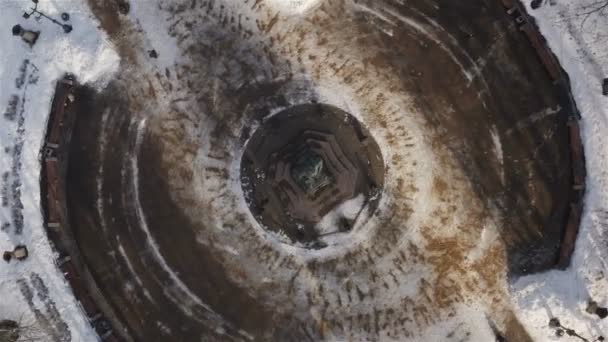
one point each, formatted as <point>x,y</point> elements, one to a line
<point>581,44</point>
<point>33,291</point>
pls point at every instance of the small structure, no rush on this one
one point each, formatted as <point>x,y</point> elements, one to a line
<point>313,175</point>
<point>303,163</point>
<point>20,253</point>
<point>30,37</point>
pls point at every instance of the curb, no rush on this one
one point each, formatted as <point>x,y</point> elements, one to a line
<point>52,186</point>
<point>559,76</point>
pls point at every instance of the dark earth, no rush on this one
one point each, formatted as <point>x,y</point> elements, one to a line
<point>472,131</point>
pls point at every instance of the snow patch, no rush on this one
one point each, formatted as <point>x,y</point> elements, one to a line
<point>564,294</point>
<point>293,7</point>
<point>34,290</point>
<point>498,152</point>
<point>348,210</point>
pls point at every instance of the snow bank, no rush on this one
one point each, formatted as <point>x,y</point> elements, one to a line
<point>581,45</point>
<point>34,291</point>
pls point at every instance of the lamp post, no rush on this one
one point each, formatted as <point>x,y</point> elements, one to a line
<point>67,28</point>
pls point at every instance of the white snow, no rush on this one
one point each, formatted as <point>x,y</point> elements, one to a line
<point>349,209</point>
<point>293,7</point>
<point>498,152</point>
<point>86,53</point>
<point>581,48</point>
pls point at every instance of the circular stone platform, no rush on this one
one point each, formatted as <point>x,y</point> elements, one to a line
<point>475,171</point>
<point>304,165</point>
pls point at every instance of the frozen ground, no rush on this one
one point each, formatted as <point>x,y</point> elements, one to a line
<point>35,292</point>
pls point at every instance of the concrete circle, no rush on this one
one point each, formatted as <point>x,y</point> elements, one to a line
<point>311,172</point>
<point>476,172</point>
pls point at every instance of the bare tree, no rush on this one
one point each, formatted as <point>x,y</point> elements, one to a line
<point>591,19</point>
<point>588,10</point>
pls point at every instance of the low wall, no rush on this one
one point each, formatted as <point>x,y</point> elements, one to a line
<point>52,185</point>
